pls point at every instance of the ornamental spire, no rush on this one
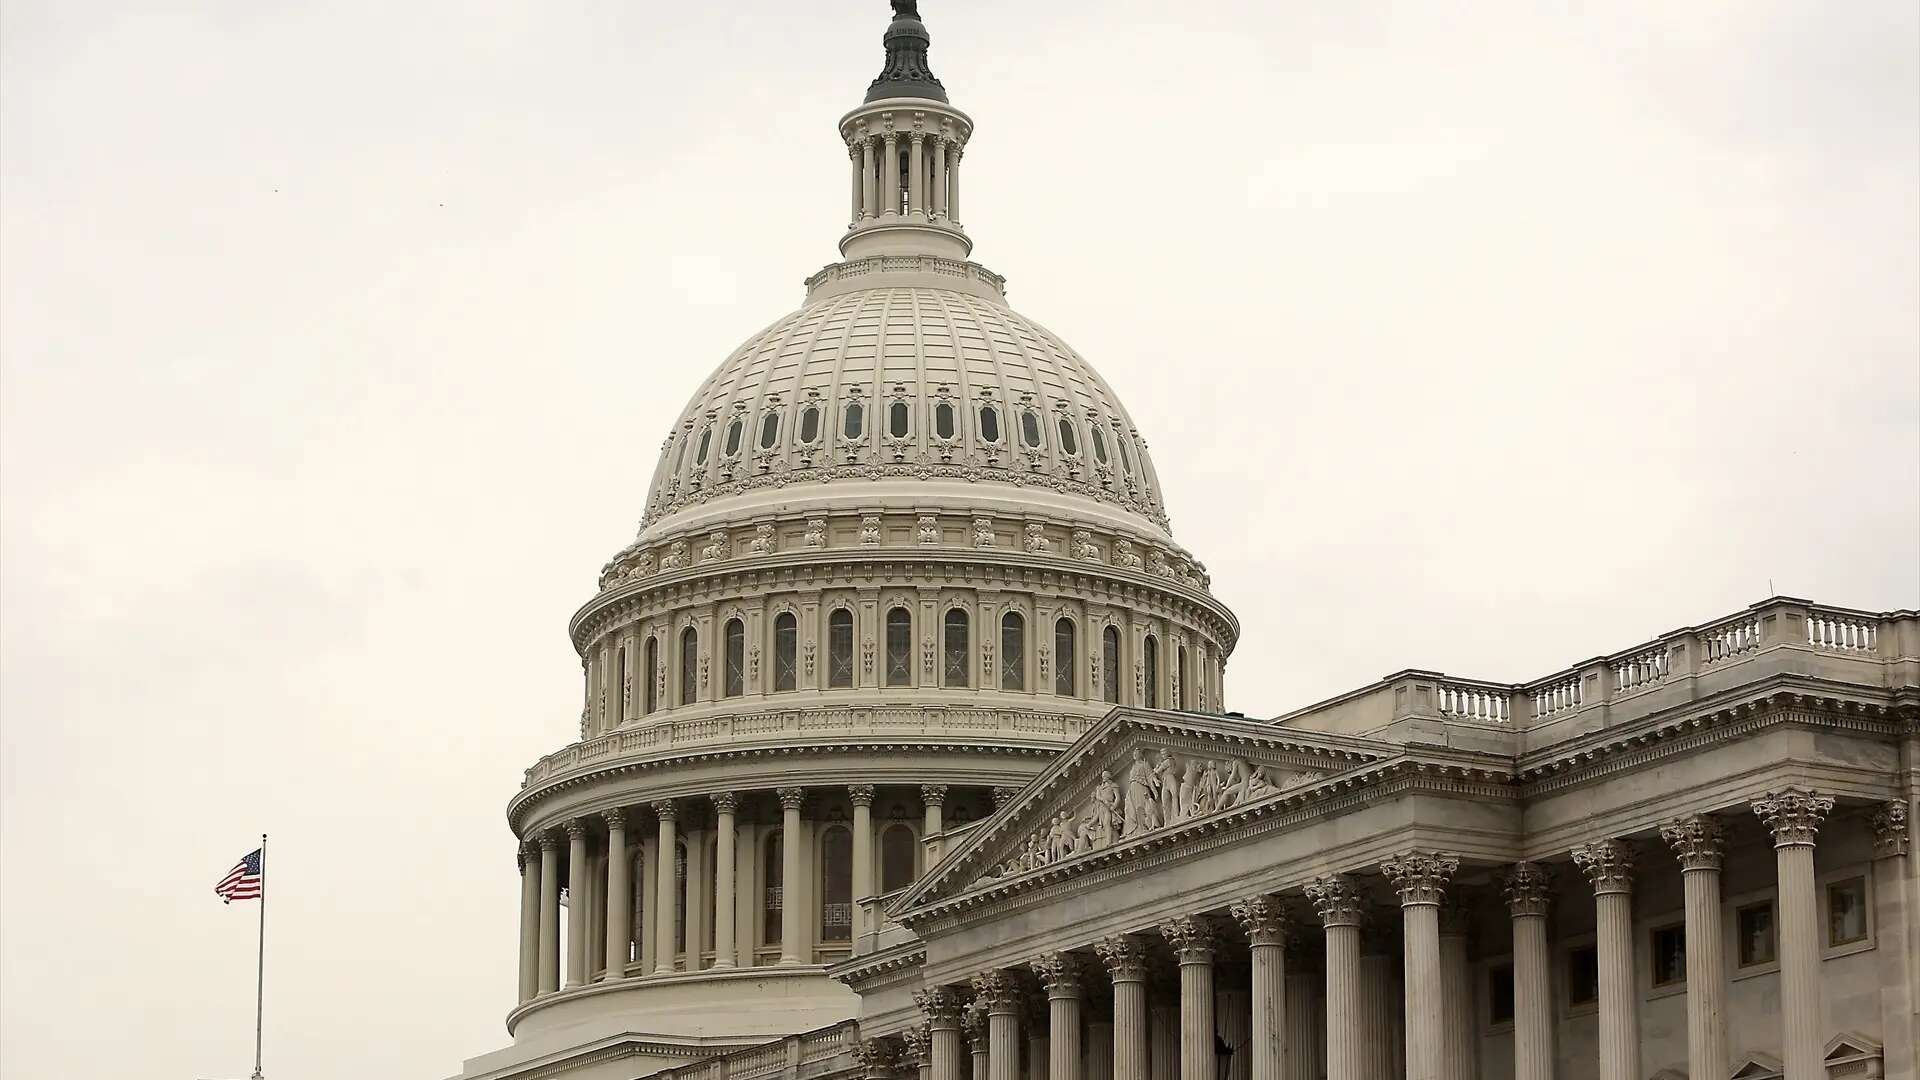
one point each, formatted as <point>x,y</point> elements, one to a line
<point>906,73</point>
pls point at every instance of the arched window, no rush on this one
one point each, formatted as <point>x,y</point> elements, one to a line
<point>1099,443</point>
<point>854,422</point>
<point>624,688</point>
<point>953,667</point>
<point>774,900</point>
<point>1150,664</point>
<point>989,424</point>
<point>836,884</point>
<point>840,649</point>
<point>810,425</point>
<point>733,438</point>
<point>1013,651</point>
<point>650,673</point>
<point>1110,665</point>
<point>680,892</point>
<point>786,649</point>
<point>1030,428</point>
<point>899,647</point>
<point>897,417</point>
<point>1069,444</point>
<point>1185,675</point>
<point>1064,660</point>
<point>706,443</point>
<point>736,658</point>
<point>943,420</point>
<point>689,665</point>
<point>636,878</point>
<point>897,847</point>
<point>769,430</point>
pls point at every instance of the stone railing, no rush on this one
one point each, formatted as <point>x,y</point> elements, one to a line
<point>823,1052</point>
<point>856,269</point>
<point>1781,634</point>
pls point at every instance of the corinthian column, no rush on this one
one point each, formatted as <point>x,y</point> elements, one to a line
<point>1458,1028</point>
<point>725,805</point>
<point>933,797</point>
<point>619,904</point>
<point>1794,816</point>
<point>1608,865</point>
<point>1700,845</point>
<point>917,1051</point>
<point>999,991</point>
<point>941,1006</point>
<point>791,799</point>
<point>1421,880</point>
<point>1341,906</point>
<point>862,797</point>
<point>973,1020</point>
<point>890,174</point>
<point>1529,891</point>
<point>576,901</point>
<point>549,913</point>
<point>666,897</point>
<point>529,852</point>
<point>1193,938</point>
<point>877,1059</point>
<point>1126,960</point>
<point>1265,922</point>
<point>1060,974</point>
<point>916,174</point>
<point>1894,896</point>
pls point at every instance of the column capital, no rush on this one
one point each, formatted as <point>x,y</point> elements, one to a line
<point>941,1005</point>
<point>916,136</point>
<point>1697,841</point>
<point>1264,918</point>
<point>933,794</point>
<point>861,794</point>
<point>1890,829</point>
<point>1004,795</point>
<point>998,990</point>
<point>1060,973</point>
<point>855,146</point>
<point>523,853</point>
<point>666,810</point>
<point>615,818</point>
<point>876,1058</point>
<point>1125,956</point>
<point>576,828</point>
<point>791,798</point>
<point>725,802</point>
<point>1608,865</point>
<point>1193,938</point>
<point>916,1046</point>
<point>1793,814</point>
<point>1338,900</point>
<point>1529,889</point>
<point>973,1022</point>
<point>1420,877</point>
<point>549,840</point>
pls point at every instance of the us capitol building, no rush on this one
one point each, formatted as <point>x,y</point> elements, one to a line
<point>904,756</point>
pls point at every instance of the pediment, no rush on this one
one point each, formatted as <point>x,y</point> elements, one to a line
<point>1758,1067</point>
<point>1850,1053</point>
<point>1137,778</point>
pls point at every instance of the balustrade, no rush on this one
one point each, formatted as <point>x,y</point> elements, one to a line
<point>1474,703</point>
<point>1731,639</point>
<point>1842,633</point>
<point>1649,667</point>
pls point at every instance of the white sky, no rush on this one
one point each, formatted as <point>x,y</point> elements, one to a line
<point>338,344</point>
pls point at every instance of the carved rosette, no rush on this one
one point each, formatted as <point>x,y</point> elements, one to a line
<point>941,1005</point>
<point>1608,865</point>
<point>1890,830</point>
<point>1060,973</point>
<point>1338,900</point>
<point>1529,889</point>
<point>998,991</point>
<point>1697,841</point>
<point>1125,957</point>
<point>876,1058</point>
<point>1420,877</point>
<point>1793,815</point>
<point>860,794</point>
<point>1264,919</point>
<point>1193,937</point>
<point>725,802</point>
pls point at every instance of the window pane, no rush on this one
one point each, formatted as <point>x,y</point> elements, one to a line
<point>1013,652</point>
<point>1847,911</point>
<point>897,420</point>
<point>836,885</point>
<point>1151,663</point>
<point>733,439</point>
<point>954,662</point>
<point>773,901</point>
<point>1099,444</point>
<point>840,649</point>
<point>989,424</point>
<point>625,686</point>
<point>706,441</point>
<point>899,647</point>
<point>896,857</point>
<point>809,425</point>
<point>769,430</point>
<point>1583,976</point>
<point>1110,665</point>
<point>1185,674</point>
<point>943,420</point>
<point>1126,461</point>
<point>1669,955</point>
<point>1500,994</point>
<point>786,642</point>
<point>1065,669</point>
<point>680,891</point>
<point>855,421</point>
<point>689,666</point>
<point>1068,444</point>
<point>736,658</point>
<point>1754,925</point>
<point>1030,428</point>
<point>653,666</point>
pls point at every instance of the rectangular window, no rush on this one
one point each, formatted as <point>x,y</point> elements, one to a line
<point>1500,994</point>
<point>1753,924</point>
<point>1669,955</point>
<point>1583,975</point>
<point>1847,911</point>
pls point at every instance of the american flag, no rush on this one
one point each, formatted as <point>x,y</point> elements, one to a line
<point>243,882</point>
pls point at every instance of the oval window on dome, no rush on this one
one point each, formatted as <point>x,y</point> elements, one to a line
<point>1068,443</point>
<point>897,420</point>
<point>943,420</point>
<point>989,424</point>
<point>856,421</point>
<point>1126,460</point>
<point>769,430</point>
<point>733,437</point>
<point>810,424</point>
<point>1099,443</point>
<point>706,443</point>
<point>1030,428</point>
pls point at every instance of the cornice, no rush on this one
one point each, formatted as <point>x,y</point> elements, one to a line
<point>864,969</point>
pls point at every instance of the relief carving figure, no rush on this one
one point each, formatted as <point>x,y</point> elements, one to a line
<point>716,548</point>
<point>642,567</point>
<point>1123,555</point>
<point>983,532</point>
<point>1037,543</point>
<point>676,556</point>
<point>816,532</point>
<point>1083,546</point>
<point>870,531</point>
<point>1142,801</point>
<point>1060,837</point>
<point>1104,814</point>
<point>762,543</point>
<point>929,529</point>
<point>1166,774</point>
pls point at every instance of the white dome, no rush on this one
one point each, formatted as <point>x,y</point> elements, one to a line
<point>918,391</point>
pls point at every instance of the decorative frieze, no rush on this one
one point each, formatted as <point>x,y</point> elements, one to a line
<point>1608,865</point>
<point>1793,815</point>
<point>1420,877</point>
<point>1697,841</point>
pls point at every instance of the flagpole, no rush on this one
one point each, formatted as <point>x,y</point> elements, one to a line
<point>260,972</point>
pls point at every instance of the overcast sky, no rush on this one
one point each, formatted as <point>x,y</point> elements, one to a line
<point>339,342</point>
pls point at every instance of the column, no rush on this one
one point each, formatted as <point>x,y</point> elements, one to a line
<point>549,913</point>
<point>576,901</point>
<point>1126,960</point>
<point>999,992</point>
<point>853,168</point>
<point>1305,1030</point>
<point>973,1021</point>
<point>1193,940</point>
<point>953,183</point>
<point>528,852</point>
<point>1896,960</point>
<point>917,1051</point>
<point>862,796</point>
<point>876,1059</point>
<point>666,898</point>
<point>1608,865</point>
<point>1265,921</point>
<point>933,797</point>
<point>1794,816</point>
<point>1459,1024</point>
<point>791,799</point>
<point>1340,907</point>
<point>1529,891</point>
<point>724,806</point>
<point>1233,1023</point>
<point>1381,1004</point>
<point>1038,1024</point>
<point>941,1006</point>
<point>1163,1026</point>
<point>1421,877</point>
<point>619,904</point>
<point>890,175</point>
<point>1099,1048</point>
<point>1060,975</point>
<point>939,178</point>
<point>869,189</point>
<point>916,174</point>
<point>1700,845</point>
